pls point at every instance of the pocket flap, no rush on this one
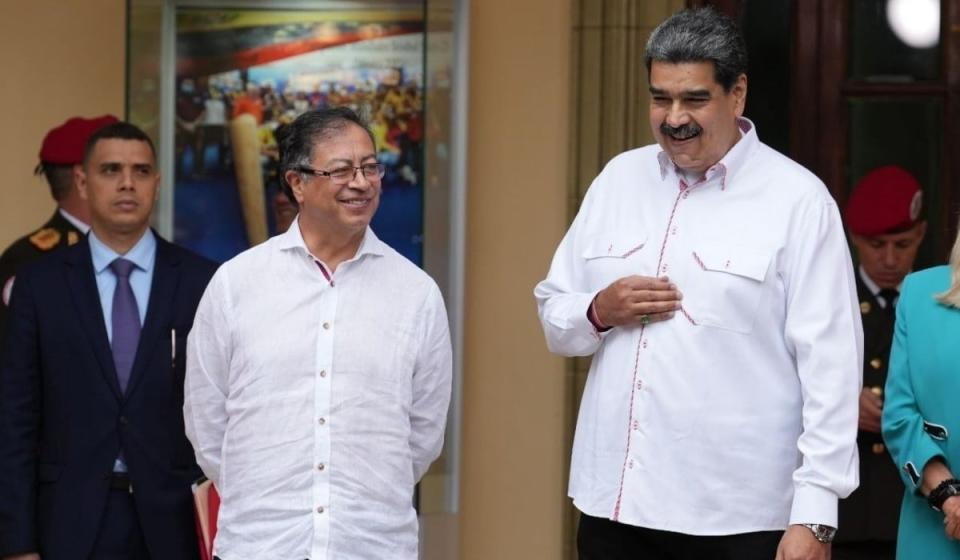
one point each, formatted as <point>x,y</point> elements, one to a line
<point>620,248</point>
<point>742,261</point>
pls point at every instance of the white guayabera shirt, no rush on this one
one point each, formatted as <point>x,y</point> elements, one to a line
<point>739,414</point>
<point>315,404</point>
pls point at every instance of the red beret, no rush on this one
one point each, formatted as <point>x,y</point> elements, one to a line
<point>886,200</point>
<point>64,144</point>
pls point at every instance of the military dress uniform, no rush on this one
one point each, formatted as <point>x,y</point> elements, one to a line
<point>57,232</point>
<point>62,146</point>
<point>872,512</point>
<point>887,200</point>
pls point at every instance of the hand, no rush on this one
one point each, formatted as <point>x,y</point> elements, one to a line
<point>798,543</point>
<point>27,556</point>
<point>951,517</point>
<point>871,406</point>
<point>636,300</point>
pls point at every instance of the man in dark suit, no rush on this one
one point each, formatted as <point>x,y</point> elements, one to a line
<point>60,156</point>
<point>883,218</point>
<point>93,458</point>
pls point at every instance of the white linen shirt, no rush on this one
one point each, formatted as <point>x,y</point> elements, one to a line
<point>739,414</point>
<point>315,405</point>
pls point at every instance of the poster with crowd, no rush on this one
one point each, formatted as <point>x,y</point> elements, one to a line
<point>243,74</point>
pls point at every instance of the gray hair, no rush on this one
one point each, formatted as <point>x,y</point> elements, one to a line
<point>297,139</point>
<point>701,35</point>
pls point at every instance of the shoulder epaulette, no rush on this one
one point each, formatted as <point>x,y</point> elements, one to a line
<point>45,239</point>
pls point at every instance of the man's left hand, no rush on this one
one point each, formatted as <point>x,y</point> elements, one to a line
<point>798,543</point>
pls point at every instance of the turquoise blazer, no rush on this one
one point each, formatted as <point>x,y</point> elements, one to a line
<point>921,412</point>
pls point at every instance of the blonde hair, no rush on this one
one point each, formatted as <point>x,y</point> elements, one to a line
<point>951,297</point>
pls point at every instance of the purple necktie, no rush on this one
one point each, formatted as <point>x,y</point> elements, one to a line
<point>126,322</point>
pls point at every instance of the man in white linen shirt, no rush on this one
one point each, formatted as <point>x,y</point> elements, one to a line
<point>710,279</point>
<point>319,369</point>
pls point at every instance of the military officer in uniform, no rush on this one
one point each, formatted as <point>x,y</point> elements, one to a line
<point>61,151</point>
<point>883,219</point>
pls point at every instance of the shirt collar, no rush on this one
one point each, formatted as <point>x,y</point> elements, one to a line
<point>77,223</point>
<point>731,162</point>
<point>143,254</point>
<point>870,284</point>
<point>293,239</point>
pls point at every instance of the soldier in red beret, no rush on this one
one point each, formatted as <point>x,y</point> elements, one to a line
<point>61,152</point>
<point>883,219</point>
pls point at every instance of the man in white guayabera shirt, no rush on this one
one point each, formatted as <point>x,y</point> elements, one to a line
<point>710,279</point>
<point>319,369</point>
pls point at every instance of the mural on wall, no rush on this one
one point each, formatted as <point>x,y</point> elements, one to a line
<point>242,74</point>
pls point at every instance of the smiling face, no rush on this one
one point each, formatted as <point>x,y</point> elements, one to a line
<point>693,119</point>
<point>121,184</point>
<point>342,209</point>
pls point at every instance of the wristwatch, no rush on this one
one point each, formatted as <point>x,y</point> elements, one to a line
<point>823,533</point>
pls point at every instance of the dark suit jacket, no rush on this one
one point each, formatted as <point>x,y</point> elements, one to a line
<point>57,232</point>
<point>872,512</point>
<point>63,419</point>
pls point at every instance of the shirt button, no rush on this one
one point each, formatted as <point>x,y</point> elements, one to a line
<point>320,509</point>
<point>639,385</point>
<point>333,283</point>
<point>876,363</point>
<point>323,373</point>
<point>322,421</point>
<point>321,466</point>
<point>686,194</point>
<point>636,425</point>
<point>326,326</point>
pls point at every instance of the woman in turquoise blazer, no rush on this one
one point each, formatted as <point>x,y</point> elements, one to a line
<point>921,412</point>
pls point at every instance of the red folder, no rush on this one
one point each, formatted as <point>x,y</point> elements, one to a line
<point>206,505</point>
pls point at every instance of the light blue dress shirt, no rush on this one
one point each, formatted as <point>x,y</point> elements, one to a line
<point>143,255</point>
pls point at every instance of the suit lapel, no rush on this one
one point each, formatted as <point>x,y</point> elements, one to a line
<point>86,298</point>
<point>163,289</point>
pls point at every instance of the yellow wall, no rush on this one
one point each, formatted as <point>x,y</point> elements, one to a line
<point>514,451</point>
<point>59,59</point>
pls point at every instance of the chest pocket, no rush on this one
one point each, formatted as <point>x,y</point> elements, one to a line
<point>726,286</point>
<point>608,259</point>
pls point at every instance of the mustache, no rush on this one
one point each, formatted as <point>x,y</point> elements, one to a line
<point>688,130</point>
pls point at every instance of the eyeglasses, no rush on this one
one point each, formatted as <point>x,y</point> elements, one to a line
<point>342,175</point>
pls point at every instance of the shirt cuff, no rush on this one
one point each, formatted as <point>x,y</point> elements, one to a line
<point>812,504</point>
